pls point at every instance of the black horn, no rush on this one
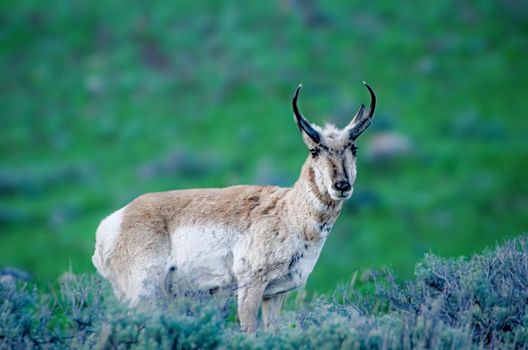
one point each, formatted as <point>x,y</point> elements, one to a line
<point>362,119</point>
<point>302,123</point>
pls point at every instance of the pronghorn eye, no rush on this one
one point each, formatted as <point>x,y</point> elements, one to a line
<point>354,149</point>
<point>315,152</point>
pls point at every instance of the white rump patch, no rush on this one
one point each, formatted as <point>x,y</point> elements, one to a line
<point>105,239</point>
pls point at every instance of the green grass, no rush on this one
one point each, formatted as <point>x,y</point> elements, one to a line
<point>93,92</point>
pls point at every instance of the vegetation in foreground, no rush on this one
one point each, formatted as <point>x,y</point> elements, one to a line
<point>462,303</point>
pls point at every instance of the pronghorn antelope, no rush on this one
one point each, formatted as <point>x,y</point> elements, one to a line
<point>258,241</point>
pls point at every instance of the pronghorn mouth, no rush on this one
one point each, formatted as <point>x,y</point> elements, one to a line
<point>341,195</point>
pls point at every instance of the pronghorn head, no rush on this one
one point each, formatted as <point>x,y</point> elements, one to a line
<point>333,150</point>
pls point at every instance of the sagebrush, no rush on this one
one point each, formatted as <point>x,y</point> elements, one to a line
<point>480,302</point>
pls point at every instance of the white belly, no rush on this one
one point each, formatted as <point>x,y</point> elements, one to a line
<point>201,258</point>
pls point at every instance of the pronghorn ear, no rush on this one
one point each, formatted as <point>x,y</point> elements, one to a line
<point>308,141</point>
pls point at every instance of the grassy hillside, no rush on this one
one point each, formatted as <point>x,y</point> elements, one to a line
<point>476,303</point>
<point>102,101</point>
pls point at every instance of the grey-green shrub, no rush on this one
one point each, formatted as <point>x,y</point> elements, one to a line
<point>473,303</point>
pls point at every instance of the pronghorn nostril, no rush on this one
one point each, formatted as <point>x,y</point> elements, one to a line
<point>342,186</point>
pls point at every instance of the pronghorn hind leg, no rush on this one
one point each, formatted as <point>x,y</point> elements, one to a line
<point>140,265</point>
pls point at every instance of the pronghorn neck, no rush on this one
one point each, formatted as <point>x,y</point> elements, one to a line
<point>312,205</point>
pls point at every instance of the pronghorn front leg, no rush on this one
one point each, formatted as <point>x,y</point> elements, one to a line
<point>271,309</point>
<point>249,297</point>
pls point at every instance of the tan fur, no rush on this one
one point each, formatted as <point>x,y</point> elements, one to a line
<point>270,237</point>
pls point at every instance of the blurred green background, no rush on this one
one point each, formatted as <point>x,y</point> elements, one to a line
<point>101,101</point>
